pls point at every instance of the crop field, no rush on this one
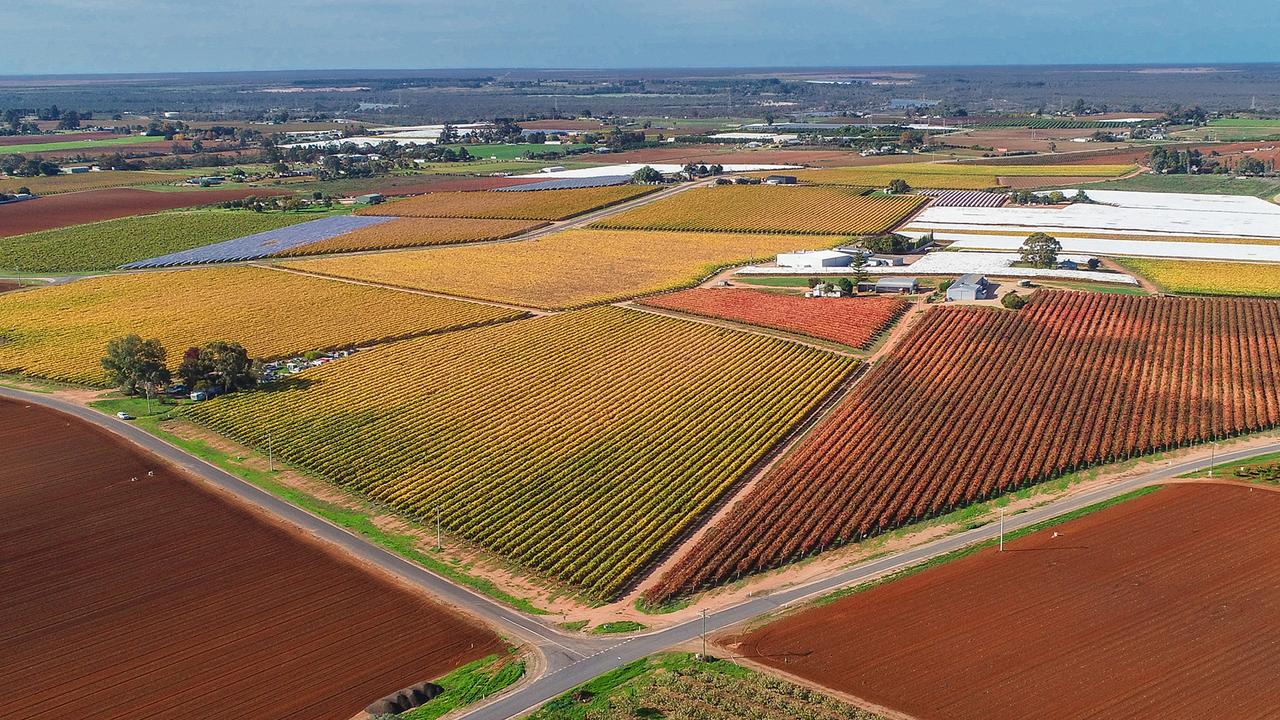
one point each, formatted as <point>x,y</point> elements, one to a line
<point>678,686</point>
<point>1129,375</point>
<point>1209,278</point>
<point>514,151</point>
<point>261,244</point>
<point>416,232</point>
<point>58,137</point>
<point>965,198</point>
<point>53,185</point>
<point>106,245</point>
<point>132,591</point>
<point>855,322</point>
<point>952,176</point>
<point>569,269</point>
<point>107,144</point>
<point>49,213</point>
<point>545,205</point>
<point>61,332</point>
<point>1147,608</point>
<point>577,444</point>
<point>769,209</point>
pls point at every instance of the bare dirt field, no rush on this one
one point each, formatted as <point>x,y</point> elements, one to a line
<point>1161,606</point>
<point>131,591</point>
<point>450,183</point>
<point>55,211</point>
<point>61,137</point>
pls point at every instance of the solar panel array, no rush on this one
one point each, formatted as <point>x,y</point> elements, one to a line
<point>260,245</point>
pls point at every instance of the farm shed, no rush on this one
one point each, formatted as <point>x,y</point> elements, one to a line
<point>901,285</point>
<point>780,180</point>
<point>969,287</point>
<point>814,259</point>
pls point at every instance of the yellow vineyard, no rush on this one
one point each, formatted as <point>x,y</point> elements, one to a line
<point>764,209</point>
<point>567,269</point>
<point>1208,277</point>
<point>578,444</point>
<point>417,232</point>
<point>535,205</point>
<point>61,332</point>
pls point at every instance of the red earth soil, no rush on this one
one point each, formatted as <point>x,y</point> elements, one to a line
<point>132,592</point>
<point>1160,607</point>
<point>8,286</point>
<point>145,146</point>
<point>1072,380</point>
<point>855,322</point>
<point>55,211</point>
<point>6,140</point>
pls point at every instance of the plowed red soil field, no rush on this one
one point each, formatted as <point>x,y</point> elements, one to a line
<point>55,211</point>
<point>129,591</point>
<point>1160,607</point>
<point>66,137</point>
<point>726,155</point>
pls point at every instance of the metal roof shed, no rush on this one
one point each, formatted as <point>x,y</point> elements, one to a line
<point>897,285</point>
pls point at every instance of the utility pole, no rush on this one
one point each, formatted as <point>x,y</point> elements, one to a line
<point>1213,456</point>
<point>147,389</point>
<point>271,456</point>
<point>704,634</point>
<point>1001,529</point>
<point>437,528</point>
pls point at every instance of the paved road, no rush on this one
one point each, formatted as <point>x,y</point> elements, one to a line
<point>554,683</point>
<point>570,660</point>
<point>558,649</point>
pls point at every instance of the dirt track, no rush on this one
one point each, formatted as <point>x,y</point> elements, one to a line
<point>130,594</point>
<point>1162,606</point>
<point>56,211</point>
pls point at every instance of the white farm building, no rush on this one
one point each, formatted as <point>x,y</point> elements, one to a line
<point>814,259</point>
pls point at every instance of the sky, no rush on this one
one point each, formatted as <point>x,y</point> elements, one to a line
<point>87,36</point>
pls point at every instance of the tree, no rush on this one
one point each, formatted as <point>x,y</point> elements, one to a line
<point>135,364</point>
<point>646,176</point>
<point>846,285</point>
<point>898,186</point>
<point>229,366</point>
<point>1093,263</point>
<point>192,371</point>
<point>1040,250</point>
<point>1081,197</point>
<point>1013,301</point>
<point>859,266</point>
<point>814,282</point>
<point>1251,166</point>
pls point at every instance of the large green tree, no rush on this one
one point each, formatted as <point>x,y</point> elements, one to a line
<point>1040,250</point>
<point>136,365</point>
<point>228,366</point>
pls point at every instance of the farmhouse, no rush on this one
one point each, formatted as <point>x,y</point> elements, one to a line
<point>900,285</point>
<point>813,259</point>
<point>969,287</point>
<point>825,290</point>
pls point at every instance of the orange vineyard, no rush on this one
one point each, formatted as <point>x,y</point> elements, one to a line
<point>855,322</point>
<point>1072,380</point>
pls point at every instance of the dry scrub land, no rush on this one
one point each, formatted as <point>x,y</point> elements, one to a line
<point>1161,606</point>
<point>131,592</point>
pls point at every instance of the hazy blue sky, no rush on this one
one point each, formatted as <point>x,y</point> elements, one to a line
<point>61,36</point>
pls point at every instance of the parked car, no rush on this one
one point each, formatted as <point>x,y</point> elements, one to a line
<point>124,415</point>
